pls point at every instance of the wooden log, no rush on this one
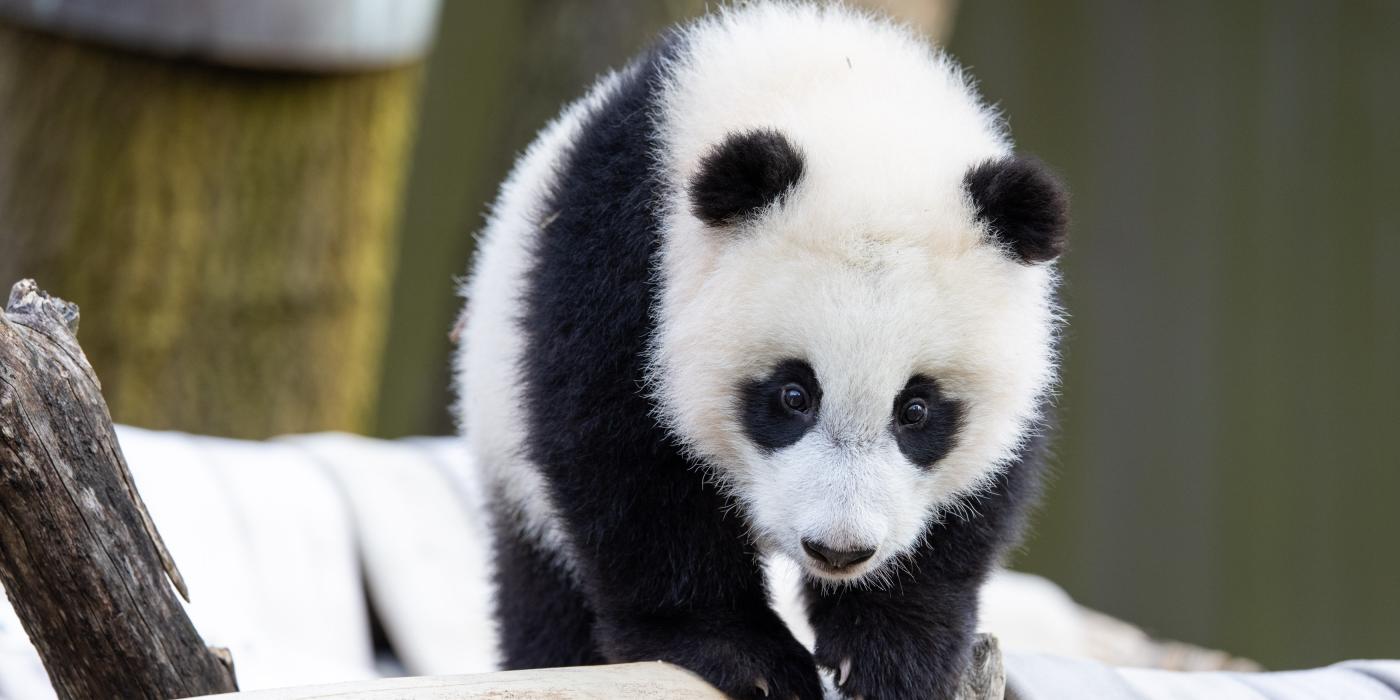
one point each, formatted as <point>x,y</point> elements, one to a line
<point>985,680</point>
<point>985,677</point>
<point>651,679</point>
<point>80,559</point>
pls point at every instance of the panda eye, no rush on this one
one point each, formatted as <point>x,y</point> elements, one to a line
<point>795,398</point>
<point>780,407</point>
<point>925,421</point>
<point>913,413</point>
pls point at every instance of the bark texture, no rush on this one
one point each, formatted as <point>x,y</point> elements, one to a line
<point>80,559</point>
<point>237,227</point>
<point>986,680</point>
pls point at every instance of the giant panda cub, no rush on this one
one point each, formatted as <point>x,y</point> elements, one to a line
<point>778,288</point>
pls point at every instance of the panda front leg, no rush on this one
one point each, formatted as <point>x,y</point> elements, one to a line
<point>744,653</point>
<point>912,637</point>
<point>912,640</point>
<point>670,575</point>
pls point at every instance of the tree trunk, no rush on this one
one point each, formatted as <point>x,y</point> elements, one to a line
<point>80,559</point>
<point>236,227</point>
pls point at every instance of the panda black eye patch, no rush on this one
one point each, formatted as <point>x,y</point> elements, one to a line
<point>924,421</point>
<point>780,408</point>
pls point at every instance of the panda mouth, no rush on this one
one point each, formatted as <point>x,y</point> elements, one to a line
<point>830,573</point>
<point>829,562</point>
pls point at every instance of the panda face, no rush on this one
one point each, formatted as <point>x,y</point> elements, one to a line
<point>850,369</point>
<point>848,386</point>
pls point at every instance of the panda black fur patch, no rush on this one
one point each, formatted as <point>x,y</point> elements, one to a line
<point>930,440</point>
<point>769,423</point>
<point>743,174</point>
<point>663,565</point>
<point>1024,204</point>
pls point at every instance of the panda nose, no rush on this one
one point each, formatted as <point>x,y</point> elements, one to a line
<point>836,558</point>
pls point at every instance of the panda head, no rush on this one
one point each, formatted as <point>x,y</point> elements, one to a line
<point>853,357</point>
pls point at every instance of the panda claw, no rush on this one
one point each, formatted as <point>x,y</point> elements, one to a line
<point>844,672</point>
<point>762,686</point>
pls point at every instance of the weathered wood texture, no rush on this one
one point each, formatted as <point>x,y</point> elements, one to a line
<point>80,559</point>
<point>237,227</point>
<point>636,681</point>
<point>985,677</point>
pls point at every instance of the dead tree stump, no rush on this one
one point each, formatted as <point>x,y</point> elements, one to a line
<point>80,559</point>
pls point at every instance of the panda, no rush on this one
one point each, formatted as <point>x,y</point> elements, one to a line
<point>780,287</point>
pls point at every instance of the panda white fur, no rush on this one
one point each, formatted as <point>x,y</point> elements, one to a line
<point>778,287</point>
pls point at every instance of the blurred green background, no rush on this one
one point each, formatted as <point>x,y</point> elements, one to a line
<point>1226,467</point>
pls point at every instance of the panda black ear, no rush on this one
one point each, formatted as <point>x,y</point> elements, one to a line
<point>1024,205</point>
<point>743,174</point>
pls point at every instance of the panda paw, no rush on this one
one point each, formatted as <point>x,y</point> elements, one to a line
<point>742,660</point>
<point>892,664</point>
